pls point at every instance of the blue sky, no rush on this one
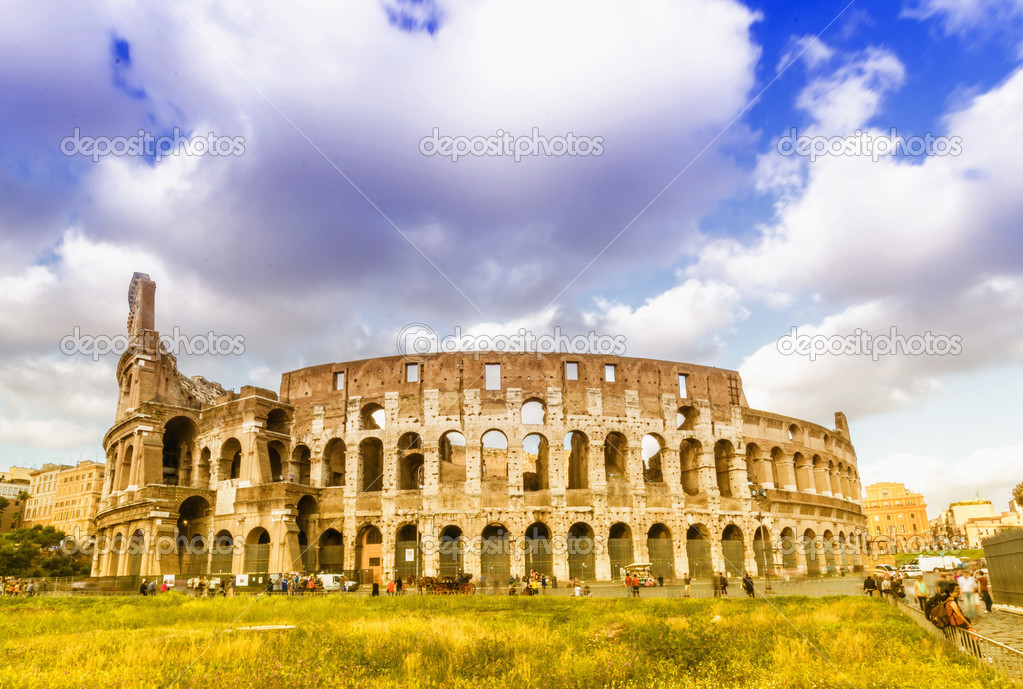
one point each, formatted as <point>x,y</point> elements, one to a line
<point>689,234</point>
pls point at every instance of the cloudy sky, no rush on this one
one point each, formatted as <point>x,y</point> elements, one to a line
<point>695,219</point>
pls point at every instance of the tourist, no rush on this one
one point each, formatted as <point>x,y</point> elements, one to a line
<point>578,590</point>
<point>230,588</point>
<point>152,587</point>
<point>886,586</point>
<point>944,585</point>
<point>968,589</point>
<point>535,585</point>
<point>715,585</point>
<point>723,582</point>
<point>376,589</point>
<point>635,586</point>
<point>164,587</point>
<point>543,584</point>
<point>660,580</point>
<point>869,586</point>
<point>985,593</point>
<point>920,591</point>
<point>511,589</point>
<point>398,587</point>
<point>685,582</point>
<point>390,587</point>
<point>956,617</point>
<point>747,585</point>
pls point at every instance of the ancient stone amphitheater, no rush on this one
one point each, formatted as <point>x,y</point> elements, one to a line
<point>493,464</point>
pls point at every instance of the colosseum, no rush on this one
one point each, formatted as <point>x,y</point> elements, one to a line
<point>491,464</point>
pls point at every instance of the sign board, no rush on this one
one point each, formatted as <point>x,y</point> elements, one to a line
<point>410,554</point>
<point>241,580</point>
<point>168,579</point>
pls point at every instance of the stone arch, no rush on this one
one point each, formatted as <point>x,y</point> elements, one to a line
<point>230,459</point>
<point>653,458</point>
<point>581,562</point>
<point>795,433</point>
<point>616,457</point>
<point>811,552</point>
<point>332,551</point>
<point>178,438</point>
<point>193,522</point>
<point>136,549</point>
<point>452,457</point>
<point>619,548</point>
<point>577,451</point>
<point>804,473</point>
<point>782,477</point>
<point>494,454</point>
<point>276,452</point>
<point>408,553</point>
<point>369,554</point>
<point>257,551</point>
<point>538,550</point>
<point>661,551</point>
<point>334,457</point>
<point>371,460</point>
<point>787,545</point>
<point>222,553</point>
<point>724,457</point>
<point>410,472</point>
<point>689,460</point>
<point>698,551</point>
<point>301,463</point>
<point>452,551</point>
<point>533,412</point>
<point>372,417</point>
<point>733,549</point>
<point>828,543</point>
<point>535,463</point>
<point>125,471</point>
<point>495,555</point>
<point>763,553</point>
<point>278,421</point>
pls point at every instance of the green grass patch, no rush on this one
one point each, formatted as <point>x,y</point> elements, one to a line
<point>477,642</point>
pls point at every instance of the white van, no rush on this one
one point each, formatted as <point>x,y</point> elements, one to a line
<point>936,562</point>
<point>337,582</point>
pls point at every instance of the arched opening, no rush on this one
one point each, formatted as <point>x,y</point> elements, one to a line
<point>535,463</point>
<point>763,553</point>
<point>202,478</point>
<point>812,552</point>
<point>373,417</point>
<point>495,555</point>
<point>452,554</point>
<point>804,478</point>
<point>687,418</point>
<point>408,555</point>
<point>787,544</point>
<point>125,472</point>
<point>495,455</point>
<point>371,459</point>
<point>581,561</point>
<point>230,459</point>
<point>794,433</point>
<point>653,457</point>
<point>843,548</point>
<point>257,551</point>
<point>828,543</point>
<point>533,413</point>
<point>277,421</point>
<point>178,437</point>
<point>452,457</point>
<point>332,551</point>
<point>619,549</point>
<point>193,522</point>
<point>275,450</point>
<point>733,550</point>
<point>301,464</point>
<point>698,551</point>
<point>410,472</point>
<point>616,458</point>
<point>308,510</point>
<point>782,478</point>
<point>368,554</point>
<point>410,442</point>
<point>539,554</point>
<point>724,456</point>
<point>661,551</point>
<point>136,548</point>
<point>222,559</point>
<point>689,460</point>
<point>117,546</point>
<point>334,457</point>
<point>577,449</point>
<point>757,467</point>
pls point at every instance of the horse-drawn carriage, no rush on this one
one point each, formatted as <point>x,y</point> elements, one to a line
<point>448,584</point>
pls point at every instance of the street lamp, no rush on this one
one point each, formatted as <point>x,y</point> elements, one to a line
<point>760,495</point>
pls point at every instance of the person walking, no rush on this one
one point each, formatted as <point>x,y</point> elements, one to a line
<point>920,591</point>
<point>968,589</point>
<point>985,593</point>
<point>869,586</point>
<point>398,587</point>
<point>723,582</point>
<point>230,588</point>
<point>715,585</point>
<point>144,588</point>
<point>686,581</point>
<point>390,587</point>
<point>747,585</point>
<point>635,586</point>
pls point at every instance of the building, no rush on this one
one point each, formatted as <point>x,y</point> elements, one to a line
<point>43,492</point>
<point>16,475</point>
<point>896,518</point>
<point>976,529</point>
<point>11,516</point>
<point>77,499</point>
<point>492,464</point>
<point>12,490</point>
<point>949,529</point>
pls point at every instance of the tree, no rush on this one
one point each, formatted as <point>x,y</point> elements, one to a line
<point>1017,493</point>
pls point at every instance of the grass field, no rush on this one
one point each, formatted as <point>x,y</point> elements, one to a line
<point>478,642</point>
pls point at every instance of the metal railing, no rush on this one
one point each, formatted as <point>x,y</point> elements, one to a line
<point>1004,659</point>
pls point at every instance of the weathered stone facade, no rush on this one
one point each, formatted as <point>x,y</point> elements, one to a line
<point>389,466</point>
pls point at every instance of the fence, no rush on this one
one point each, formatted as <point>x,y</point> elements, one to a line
<point>997,656</point>
<point>1004,555</point>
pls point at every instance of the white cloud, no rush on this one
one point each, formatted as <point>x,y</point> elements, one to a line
<point>960,16</point>
<point>810,49</point>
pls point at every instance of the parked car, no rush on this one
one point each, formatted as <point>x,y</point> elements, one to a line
<point>884,569</point>
<point>338,582</point>
<point>910,570</point>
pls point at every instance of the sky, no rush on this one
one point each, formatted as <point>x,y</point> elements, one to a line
<point>768,187</point>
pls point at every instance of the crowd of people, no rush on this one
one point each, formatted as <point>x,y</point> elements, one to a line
<point>18,587</point>
<point>958,594</point>
<point>294,584</point>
